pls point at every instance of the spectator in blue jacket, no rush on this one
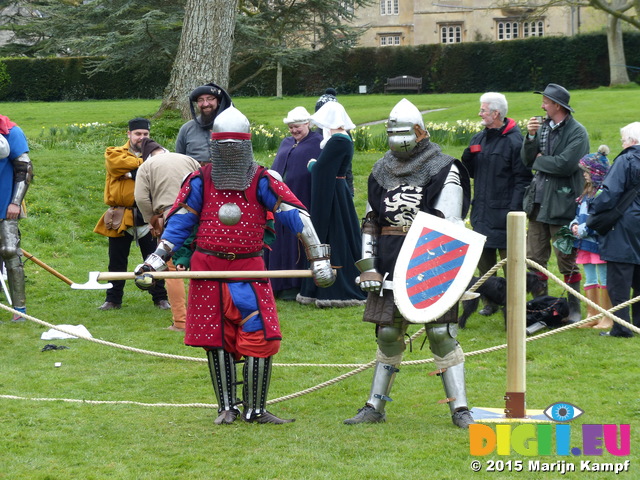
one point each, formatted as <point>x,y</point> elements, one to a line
<point>620,247</point>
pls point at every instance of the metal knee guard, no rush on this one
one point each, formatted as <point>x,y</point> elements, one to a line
<point>10,252</point>
<point>442,338</point>
<point>222,367</point>
<point>390,339</point>
<point>257,375</point>
<point>383,376</point>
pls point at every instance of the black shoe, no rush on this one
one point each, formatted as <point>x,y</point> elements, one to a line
<point>488,309</point>
<point>366,414</point>
<point>110,306</point>
<point>268,417</point>
<point>608,334</point>
<point>163,305</point>
<point>227,417</point>
<point>462,418</point>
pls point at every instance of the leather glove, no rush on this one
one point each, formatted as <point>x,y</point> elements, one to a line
<point>143,280</point>
<point>370,281</point>
<point>323,274</point>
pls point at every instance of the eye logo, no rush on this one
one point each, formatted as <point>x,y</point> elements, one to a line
<point>562,412</point>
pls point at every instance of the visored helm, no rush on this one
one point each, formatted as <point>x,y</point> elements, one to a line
<point>401,131</point>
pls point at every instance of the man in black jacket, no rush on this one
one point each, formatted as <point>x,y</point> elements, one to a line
<point>500,177</point>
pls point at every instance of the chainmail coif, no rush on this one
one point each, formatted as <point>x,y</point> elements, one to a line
<point>233,166</point>
<point>426,161</point>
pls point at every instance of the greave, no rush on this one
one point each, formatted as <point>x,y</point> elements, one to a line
<point>257,375</point>
<point>15,277</point>
<point>383,377</point>
<point>454,387</point>
<point>222,367</point>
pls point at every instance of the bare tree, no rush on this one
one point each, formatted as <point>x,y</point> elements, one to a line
<point>617,11</point>
<point>204,51</point>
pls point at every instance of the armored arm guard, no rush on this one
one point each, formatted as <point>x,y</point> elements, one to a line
<point>22,176</point>
<point>370,278</point>
<point>451,197</point>
<point>318,253</point>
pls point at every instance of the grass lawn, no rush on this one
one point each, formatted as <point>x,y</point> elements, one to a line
<point>130,415</point>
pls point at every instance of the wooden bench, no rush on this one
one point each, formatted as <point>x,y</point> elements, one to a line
<point>403,82</point>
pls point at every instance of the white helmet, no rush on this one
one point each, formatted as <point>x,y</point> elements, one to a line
<point>231,125</point>
<point>400,127</point>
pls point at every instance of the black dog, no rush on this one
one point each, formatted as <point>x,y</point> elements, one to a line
<point>494,289</point>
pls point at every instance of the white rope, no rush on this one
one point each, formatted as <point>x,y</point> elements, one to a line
<point>357,368</point>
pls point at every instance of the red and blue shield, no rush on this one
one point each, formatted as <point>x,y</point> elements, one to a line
<point>434,268</point>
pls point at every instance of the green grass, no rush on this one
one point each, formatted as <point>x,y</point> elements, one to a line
<point>62,440</point>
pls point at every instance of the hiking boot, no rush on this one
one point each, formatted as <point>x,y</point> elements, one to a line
<point>109,306</point>
<point>462,418</point>
<point>175,328</point>
<point>227,417</point>
<point>366,414</point>
<point>268,417</point>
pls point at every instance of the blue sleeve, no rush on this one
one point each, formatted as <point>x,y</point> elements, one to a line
<point>180,225</point>
<point>289,218</point>
<point>17,141</point>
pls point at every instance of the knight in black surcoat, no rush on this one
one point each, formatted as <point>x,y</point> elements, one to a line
<point>414,175</point>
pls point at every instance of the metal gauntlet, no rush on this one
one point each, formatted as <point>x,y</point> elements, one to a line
<point>157,261</point>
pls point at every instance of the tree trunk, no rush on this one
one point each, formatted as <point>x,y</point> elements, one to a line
<point>617,60</point>
<point>279,81</point>
<point>204,52</point>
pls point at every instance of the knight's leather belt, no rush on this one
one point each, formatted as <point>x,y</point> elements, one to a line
<point>229,255</point>
<point>395,230</point>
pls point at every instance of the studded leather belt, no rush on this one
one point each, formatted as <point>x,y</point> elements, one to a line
<point>230,255</point>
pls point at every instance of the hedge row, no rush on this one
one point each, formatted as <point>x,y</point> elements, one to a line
<point>520,65</point>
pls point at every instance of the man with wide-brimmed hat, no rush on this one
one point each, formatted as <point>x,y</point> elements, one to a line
<point>553,148</point>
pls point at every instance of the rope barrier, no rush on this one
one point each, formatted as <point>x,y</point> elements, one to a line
<point>357,368</point>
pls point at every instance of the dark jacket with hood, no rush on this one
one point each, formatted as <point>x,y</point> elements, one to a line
<point>500,177</point>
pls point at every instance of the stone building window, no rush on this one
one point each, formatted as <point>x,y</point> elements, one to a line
<point>389,40</point>
<point>389,7</point>
<point>508,29</point>
<point>450,33</point>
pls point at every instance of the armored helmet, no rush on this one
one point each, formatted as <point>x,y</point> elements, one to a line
<point>232,161</point>
<point>402,136</point>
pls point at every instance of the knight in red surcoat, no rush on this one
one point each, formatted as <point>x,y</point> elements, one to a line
<point>235,320</point>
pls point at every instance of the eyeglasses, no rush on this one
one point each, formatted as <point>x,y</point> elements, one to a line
<point>483,111</point>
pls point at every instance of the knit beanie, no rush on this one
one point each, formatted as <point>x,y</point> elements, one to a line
<point>328,96</point>
<point>597,164</point>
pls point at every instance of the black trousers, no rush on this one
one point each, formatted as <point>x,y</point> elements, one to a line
<point>621,278</point>
<point>119,248</point>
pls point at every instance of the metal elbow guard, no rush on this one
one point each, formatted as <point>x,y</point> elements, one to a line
<point>451,197</point>
<point>23,174</point>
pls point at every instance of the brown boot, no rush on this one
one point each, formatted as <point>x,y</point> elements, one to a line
<point>592,294</point>
<point>605,302</point>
